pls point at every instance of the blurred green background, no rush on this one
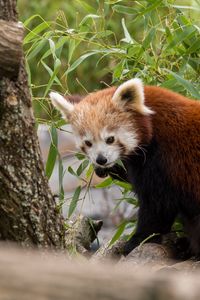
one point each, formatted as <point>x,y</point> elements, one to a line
<point>79,46</point>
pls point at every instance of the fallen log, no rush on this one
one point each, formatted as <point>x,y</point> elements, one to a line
<point>38,275</point>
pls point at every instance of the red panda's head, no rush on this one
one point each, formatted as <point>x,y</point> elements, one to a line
<point>108,124</point>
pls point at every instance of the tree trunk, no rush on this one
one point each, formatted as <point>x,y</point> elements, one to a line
<point>27,208</point>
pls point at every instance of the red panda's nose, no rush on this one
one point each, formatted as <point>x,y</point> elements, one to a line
<point>101,160</point>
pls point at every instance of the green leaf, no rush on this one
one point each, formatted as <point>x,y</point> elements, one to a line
<point>60,123</point>
<point>53,152</point>
<point>109,2</point>
<point>82,167</point>
<point>90,16</point>
<point>31,18</point>
<point>35,32</point>
<point>107,182</point>
<point>186,7</point>
<point>52,79</point>
<point>102,34</point>
<point>52,48</point>
<point>194,47</point>
<point>168,34</point>
<point>51,73</point>
<point>80,156</point>
<point>149,38</point>
<point>74,201</point>
<point>78,62</point>
<point>131,201</point>
<point>186,84</point>
<point>60,179</point>
<point>149,8</point>
<point>181,36</point>
<point>29,73</point>
<point>128,39</point>
<point>72,46</point>
<point>125,9</point>
<point>71,171</point>
<point>118,233</point>
<point>37,47</point>
<point>89,171</point>
<point>127,186</point>
<point>58,45</point>
<point>87,7</point>
<point>118,71</point>
<point>120,163</point>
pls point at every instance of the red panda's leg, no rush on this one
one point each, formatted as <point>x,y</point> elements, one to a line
<point>151,220</point>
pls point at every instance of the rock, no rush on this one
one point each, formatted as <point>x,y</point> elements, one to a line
<point>151,255</point>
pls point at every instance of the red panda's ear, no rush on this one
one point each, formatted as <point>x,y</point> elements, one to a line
<point>131,93</point>
<point>73,98</point>
<point>62,104</point>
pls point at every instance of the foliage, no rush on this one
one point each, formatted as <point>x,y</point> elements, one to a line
<point>156,40</point>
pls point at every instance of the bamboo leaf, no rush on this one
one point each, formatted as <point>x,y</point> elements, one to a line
<point>51,73</point>
<point>194,47</point>
<point>71,171</point>
<point>180,37</point>
<point>118,233</point>
<point>37,47</point>
<point>88,17</point>
<point>80,156</point>
<point>78,62</point>
<point>128,39</point>
<point>35,32</point>
<point>107,182</point>
<point>151,7</point>
<point>186,7</point>
<point>60,179</point>
<point>82,167</point>
<point>52,48</point>
<point>74,201</point>
<point>55,72</point>
<point>58,45</point>
<point>125,9</point>
<point>89,171</point>
<point>53,152</point>
<point>149,38</point>
<point>127,186</point>
<point>186,84</point>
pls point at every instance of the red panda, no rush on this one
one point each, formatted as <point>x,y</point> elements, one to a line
<point>156,134</point>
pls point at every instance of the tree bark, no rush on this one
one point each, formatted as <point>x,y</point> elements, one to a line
<point>27,209</point>
<point>11,36</point>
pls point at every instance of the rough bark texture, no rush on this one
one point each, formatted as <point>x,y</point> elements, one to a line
<point>11,37</point>
<point>27,208</point>
<point>37,276</point>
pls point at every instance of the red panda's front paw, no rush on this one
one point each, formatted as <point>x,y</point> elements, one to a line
<point>101,172</point>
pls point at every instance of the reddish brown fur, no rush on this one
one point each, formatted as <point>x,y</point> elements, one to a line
<point>176,125</point>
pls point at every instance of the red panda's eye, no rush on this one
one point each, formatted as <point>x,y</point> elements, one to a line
<point>88,143</point>
<point>110,140</point>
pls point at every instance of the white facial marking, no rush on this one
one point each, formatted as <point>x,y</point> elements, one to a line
<point>112,152</point>
<point>128,138</point>
<point>62,104</point>
<point>80,141</point>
